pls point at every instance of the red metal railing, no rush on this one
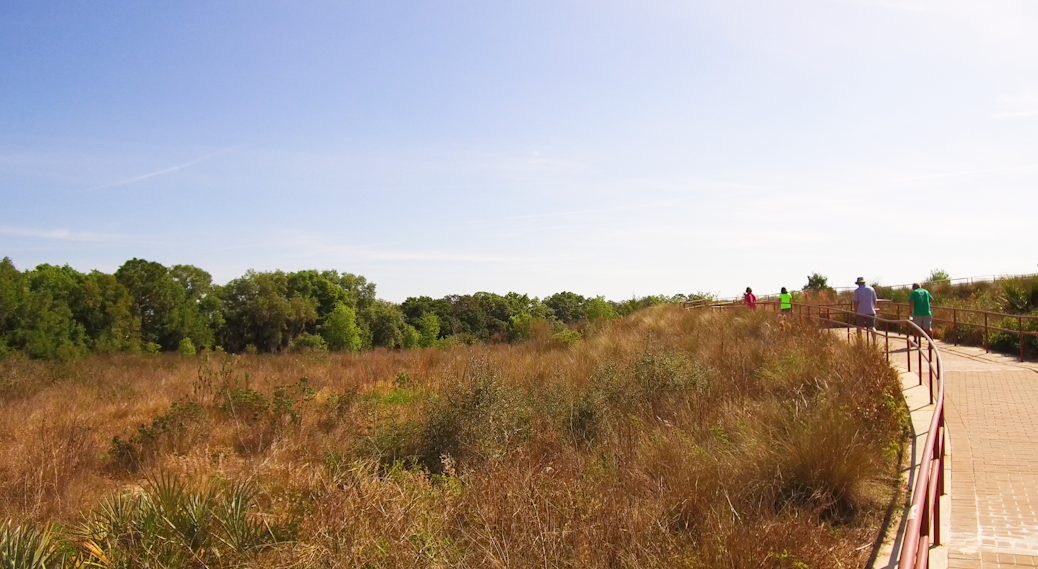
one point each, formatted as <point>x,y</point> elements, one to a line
<point>924,518</point>
<point>959,324</point>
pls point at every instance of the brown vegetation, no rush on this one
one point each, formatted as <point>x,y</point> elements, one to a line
<point>665,439</point>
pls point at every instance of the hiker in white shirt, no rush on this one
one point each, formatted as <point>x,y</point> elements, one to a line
<point>865,304</point>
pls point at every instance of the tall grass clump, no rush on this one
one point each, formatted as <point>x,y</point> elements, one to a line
<point>665,438</point>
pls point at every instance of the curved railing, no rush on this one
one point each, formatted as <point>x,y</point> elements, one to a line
<point>923,529</point>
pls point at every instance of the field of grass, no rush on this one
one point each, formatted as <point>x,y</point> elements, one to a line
<point>668,438</point>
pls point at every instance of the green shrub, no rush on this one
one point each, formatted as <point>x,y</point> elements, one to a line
<point>1007,342</point>
<point>565,338</point>
<point>151,348</point>
<point>186,347</point>
<point>307,342</point>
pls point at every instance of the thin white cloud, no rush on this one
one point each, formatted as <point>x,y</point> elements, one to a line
<point>62,234</point>
<point>964,173</point>
<point>165,170</point>
<point>1017,114</point>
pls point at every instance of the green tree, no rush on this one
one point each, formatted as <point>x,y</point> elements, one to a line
<point>567,306</point>
<point>155,297</point>
<point>520,326</point>
<point>411,338</point>
<point>429,329</point>
<point>259,311</point>
<point>938,276</point>
<point>12,290</point>
<point>817,283</point>
<point>340,329</point>
<point>105,308</point>
<point>598,309</point>
<point>386,324</point>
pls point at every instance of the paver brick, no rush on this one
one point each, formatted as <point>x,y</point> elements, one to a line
<point>992,420</point>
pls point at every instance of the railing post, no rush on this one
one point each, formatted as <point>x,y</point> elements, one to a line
<point>919,354</point>
<point>955,324</point>
<point>936,462</point>
<point>886,341</point>
<point>940,439</point>
<point>1020,327</point>
<point>986,350</point>
<point>929,365</point>
<point>908,351</point>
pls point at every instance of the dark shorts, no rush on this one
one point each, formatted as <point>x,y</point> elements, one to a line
<point>865,321</point>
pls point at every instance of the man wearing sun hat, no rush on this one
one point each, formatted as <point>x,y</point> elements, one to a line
<point>865,304</point>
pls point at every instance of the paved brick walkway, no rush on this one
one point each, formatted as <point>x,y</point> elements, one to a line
<point>992,421</point>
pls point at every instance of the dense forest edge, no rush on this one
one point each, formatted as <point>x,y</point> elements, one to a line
<point>53,312</point>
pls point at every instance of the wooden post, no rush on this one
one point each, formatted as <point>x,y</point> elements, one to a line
<point>1020,327</point>
<point>986,332</point>
<point>955,324</point>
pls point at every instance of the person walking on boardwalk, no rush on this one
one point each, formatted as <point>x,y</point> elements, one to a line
<point>919,303</point>
<point>785,301</point>
<point>749,298</point>
<point>865,304</point>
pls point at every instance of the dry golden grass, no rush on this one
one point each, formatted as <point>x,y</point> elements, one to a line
<point>667,439</point>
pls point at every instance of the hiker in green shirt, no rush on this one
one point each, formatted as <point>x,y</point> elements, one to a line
<point>919,304</point>
<point>785,301</point>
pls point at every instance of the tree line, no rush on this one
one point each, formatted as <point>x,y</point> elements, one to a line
<point>59,312</point>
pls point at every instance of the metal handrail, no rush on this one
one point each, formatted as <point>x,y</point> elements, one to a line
<point>956,323</point>
<point>924,517</point>
<point>958,281</point>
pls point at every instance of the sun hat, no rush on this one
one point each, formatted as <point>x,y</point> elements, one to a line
<point>861,280</point>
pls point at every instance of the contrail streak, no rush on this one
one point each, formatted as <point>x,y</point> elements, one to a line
<point>166,170</point>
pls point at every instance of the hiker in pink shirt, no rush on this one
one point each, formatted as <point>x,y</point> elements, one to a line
<point>750,298</point>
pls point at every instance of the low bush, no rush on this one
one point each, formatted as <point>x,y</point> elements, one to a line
<point>186,347</point>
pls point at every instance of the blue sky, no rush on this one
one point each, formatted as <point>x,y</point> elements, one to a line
<point>611,148</point>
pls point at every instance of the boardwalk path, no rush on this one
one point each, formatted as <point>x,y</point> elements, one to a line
<point>992,420</point>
